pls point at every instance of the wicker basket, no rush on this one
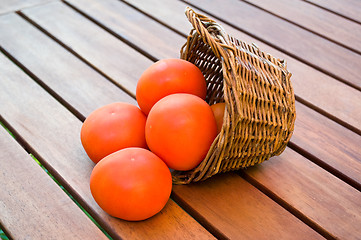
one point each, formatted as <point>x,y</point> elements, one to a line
<point>260,104</point>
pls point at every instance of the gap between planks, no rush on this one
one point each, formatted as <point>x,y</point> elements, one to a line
<point>72,193</point>
<point>4,232</point>
<point>301,26</point>
<point>43,85</point>
<point>332,11</point>
<point>293,146</point>
<point>129,43</point>
<point>298,98</point>
<point>328,115</point>
<point>325,166</point>
<point>198,216</point>
<point>297,213</point>
<point>51,174</point>
<point>327,72</point>
<point>77,55</point>
<point>29,149</point>
<point>141,11</point>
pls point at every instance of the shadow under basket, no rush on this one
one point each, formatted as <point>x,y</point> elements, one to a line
<point>260,104</point>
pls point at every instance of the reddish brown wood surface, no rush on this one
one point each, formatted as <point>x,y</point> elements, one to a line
<point>273,225</point>
<point>331,144</point>
<point>51,132</point>
<point>74,56</point>
<point>32,205</point>
<point>75,83</point>
<point>239,211</point>
<point>104,51</point>
<point>320,196</point>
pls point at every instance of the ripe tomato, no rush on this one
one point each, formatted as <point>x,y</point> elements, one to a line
<point>132,184</point>
<point>168,76</point>
<point>113,127</point>
<point>218,111</point>
<point>180,128</point>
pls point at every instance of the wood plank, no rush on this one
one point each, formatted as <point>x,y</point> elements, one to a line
<point>303,76</point>
<point>285,170</point>
<point>52,134</point>
<point>336,28</point>
<point>316,51</point>
<point>65,76</point>
<point>293,220</point>
<point>142,31</point>
<point>347,8</point>
<point>40,40</point>
<point>113,57</point>
<point>317,194</point>
<point>32,205</point>
<point>247,214</point>
<point>326,93</point>
<point>13,5</point>
<point>335,147</point>
<point>41,115</point>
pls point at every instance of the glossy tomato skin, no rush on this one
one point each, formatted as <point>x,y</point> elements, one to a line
<point>180,128</point>
<point>168,76</point>
<point>113,127</point>
<point>132,184</point>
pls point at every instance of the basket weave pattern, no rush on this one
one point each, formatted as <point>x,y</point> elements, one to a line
<point>260,103</point>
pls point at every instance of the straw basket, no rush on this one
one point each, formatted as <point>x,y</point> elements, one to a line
<point>260,105</point>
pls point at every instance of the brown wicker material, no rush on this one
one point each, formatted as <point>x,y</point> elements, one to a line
<point>260,103</point>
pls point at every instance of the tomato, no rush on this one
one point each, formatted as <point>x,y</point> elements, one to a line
<point>218,111</point>
<point>132,184</point>
<point>113,127</point>
<point>168,76</point>
<point>180,128</point>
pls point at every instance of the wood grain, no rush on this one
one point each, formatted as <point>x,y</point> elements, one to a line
<point>306,46</point>
<point>330,143</point>
<point>165,226</point>
<point>113,57</point>
<point>51,133</point>
<point>128,23</point>
<point>336,28</point>
<point>227,205</point>
<point>64,75</point>
<point>347,8</point>
<point>239,211</point>
<point>32,205</point>
<point>320,196</point>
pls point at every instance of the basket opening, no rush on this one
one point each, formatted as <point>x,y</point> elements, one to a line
<point>203,57</point>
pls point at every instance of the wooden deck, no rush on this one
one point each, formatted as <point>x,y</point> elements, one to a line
<point>60,60</point>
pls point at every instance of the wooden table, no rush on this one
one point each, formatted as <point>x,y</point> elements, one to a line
<point>60,60</point>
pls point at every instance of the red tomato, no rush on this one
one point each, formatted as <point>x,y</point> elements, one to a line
<point>132,184</point>
<point>111,128</point>
<point>218,111</point>
<point>180,128</point>
<point>168,76</point>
